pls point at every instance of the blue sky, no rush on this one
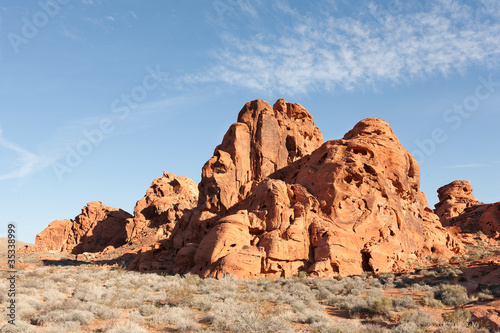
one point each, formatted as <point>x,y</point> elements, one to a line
<point>99,97</point>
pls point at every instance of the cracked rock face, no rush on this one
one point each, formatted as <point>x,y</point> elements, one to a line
<point>275,206</point>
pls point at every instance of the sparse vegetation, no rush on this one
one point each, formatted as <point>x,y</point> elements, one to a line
<point>92,298</point>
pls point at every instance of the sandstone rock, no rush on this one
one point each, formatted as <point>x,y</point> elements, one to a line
<point>459,208</point>
<point>454,198</point>
<point>343,207</point>
<point>264,140</point>
<point>166,201</point>
<point>97,227</point>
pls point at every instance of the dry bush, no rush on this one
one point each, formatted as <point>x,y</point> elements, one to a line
<point>182,318</point>
<point>420,318</point>
<point>238,316</point>
<point>127,327</point>
<point>60,316</point>
<point>451,294</point>
<point>147,310</point>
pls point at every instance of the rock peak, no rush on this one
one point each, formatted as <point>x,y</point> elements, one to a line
<point>371,127</point>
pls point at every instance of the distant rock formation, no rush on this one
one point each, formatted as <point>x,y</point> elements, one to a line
<point>95,228</point>
<point>458,207</point>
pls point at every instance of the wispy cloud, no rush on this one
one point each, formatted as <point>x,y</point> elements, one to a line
<point>462,166</point>
<point>328,51</point>
<point>56,146</point>
<point>25,163</point>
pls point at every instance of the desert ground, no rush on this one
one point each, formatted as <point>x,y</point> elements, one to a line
<point>56,293</point>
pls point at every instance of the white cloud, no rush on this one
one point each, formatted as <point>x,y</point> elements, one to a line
<point>26,160</point>
<point>330,52</point>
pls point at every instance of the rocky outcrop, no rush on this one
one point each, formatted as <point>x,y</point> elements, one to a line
<point>95,228</point>
<point>262,141</point>
<point>274,201</point>
<point>458,207</point>
<point>454,198</point>
<point>166,201</point>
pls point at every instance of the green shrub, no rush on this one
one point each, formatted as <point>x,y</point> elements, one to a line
<point>458,316</point>
<point>451,294</point>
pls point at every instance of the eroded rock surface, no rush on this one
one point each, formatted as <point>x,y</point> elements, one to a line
<point>341,207</point>
<point>95,228</point>
<point>166,201</point>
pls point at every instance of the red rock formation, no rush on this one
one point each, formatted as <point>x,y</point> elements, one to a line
<point>352,205</point>
<point>264,140</point>
<point>454,198</point>
<point>274,201</point>
<point>97,227</point>
<point>166,201</point>
<point>458,207</point>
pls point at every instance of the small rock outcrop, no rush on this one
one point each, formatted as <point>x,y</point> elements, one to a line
<point>458,207</point>
<point>454,198</point>
<point>95,228</point>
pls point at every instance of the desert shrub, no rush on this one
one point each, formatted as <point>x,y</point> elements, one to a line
<point>127,327</point>
<point>203,303</point>
<point>307,314</point>
<point>353,286</point>
<point>65,327</point>
<point>407,327</point>
<point>182,318</point>
<point>430,300</point>
<point>375,293</point>
<point>88,292</point>
<point>420,318</point>
<point>147,310</point>
<point>383,306</point>
<point>60,316</point>
<point>403,303</point>
<point>451,294</point>
<point>299,290</point>
<point>330,326</point>
<point>458,316</point>
<point>136,316</point>
<point>323,293</point>
<point>485,295</point>
<point>238,316</point>
<point>29,301</point>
